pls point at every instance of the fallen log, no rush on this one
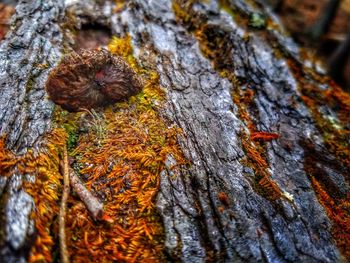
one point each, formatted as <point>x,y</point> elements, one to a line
<point>239,199</point>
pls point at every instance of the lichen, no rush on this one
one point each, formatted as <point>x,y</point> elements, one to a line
<point>257,21</point>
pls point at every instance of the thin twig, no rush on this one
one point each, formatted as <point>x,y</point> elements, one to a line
<point>92,204</point>
<point>63,209</point>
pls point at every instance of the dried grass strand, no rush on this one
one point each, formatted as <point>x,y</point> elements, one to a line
<point>63,209</point>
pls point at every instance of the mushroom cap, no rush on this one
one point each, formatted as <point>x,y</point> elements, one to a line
<point>91,78</point>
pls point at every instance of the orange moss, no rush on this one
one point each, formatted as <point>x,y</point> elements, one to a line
<point>336,141</point>
<point>265,185</point>
<point>7,159</point>
<point>45,190</point>
<point>264,136</point>
<point>6,11</point>
<point>224,199</point>
<point>121,155</point>
<point>339,213</point>
<point>124,170</point>
<point>336,136</point>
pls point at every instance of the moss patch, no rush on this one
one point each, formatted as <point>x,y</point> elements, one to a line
<point>119,153</point>
<point>46,190</point>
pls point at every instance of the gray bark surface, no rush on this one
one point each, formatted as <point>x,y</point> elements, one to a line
<point>25,111</point>
<point>294,228</point>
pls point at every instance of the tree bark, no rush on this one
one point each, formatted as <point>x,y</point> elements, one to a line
<point>32,45</point>
<point>209,60</point>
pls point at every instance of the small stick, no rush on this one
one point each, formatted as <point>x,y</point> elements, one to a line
<point>92,204</point>
<point>63,209</point>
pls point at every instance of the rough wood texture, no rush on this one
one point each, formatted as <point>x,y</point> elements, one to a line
<point>211,211</point>
<point>251,228</point>
<point>27,53</point>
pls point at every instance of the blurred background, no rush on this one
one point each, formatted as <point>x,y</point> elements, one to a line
<point>321,27</point>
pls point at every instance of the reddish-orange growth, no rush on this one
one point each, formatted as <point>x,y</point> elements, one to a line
<point>6,11</point>
<point>224,199</point>
<point>254,154</point>
<point>221,209</point>
<point>263,136</point>
<point>123,169</point>
<point>7,159</point>
<point>258,163</point>
<point>45,190</point>
<point>339,212</point>
<point>335,139</point>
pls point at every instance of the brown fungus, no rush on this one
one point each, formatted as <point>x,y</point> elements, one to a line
<point>89,79</point>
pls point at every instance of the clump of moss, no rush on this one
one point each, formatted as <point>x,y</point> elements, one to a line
<point>257,21</point>
<point>120,154</point>
<point>124,172</point>
<point>45,190</point>
<point>69,122</point>
<point>7,159</point>
<point>339,212</point>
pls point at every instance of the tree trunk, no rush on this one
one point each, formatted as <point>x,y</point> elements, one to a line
<point>266,136</point>
<point>32,45</point>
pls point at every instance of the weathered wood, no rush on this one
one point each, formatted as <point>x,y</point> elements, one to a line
<point>30,49</point>
<point>252,228</point>
<point>212,210</point>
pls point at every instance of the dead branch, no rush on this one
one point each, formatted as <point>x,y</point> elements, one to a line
<point>92,204</point>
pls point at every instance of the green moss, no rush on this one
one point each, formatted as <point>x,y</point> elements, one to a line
<point>72,140</point>
<point>67,121</point>
<point>257,21</point>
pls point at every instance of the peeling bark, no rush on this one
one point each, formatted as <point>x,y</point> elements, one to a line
<point>212,210</point>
